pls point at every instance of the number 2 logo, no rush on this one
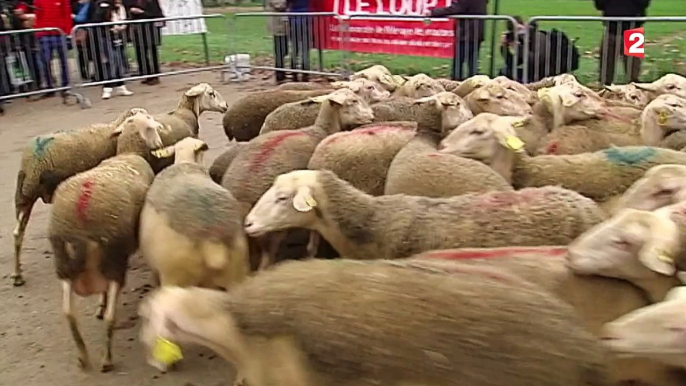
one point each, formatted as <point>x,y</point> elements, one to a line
<point>633,42</point>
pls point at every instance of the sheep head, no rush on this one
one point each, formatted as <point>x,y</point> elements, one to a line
<point>350,108</point>
<point>189,149</point>
<point>626,93</point>
<point>145,126</point>
<point>453,109</point>
<point>518,88</point>
<point>669,84</point>
<point>660,186</point>
<point>568,103</point>
<point>496,99</point>
<point>369,90</point>
<point>380,74</point>
<point>633,245</point>
<point>291,202</point>
<point>663,115</point>
<point>419,86</point>
<point>205,98</point>
<point>656,331</point>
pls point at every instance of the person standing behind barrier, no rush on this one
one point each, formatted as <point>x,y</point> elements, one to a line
<point>24,18</point>
<point>53,14</point>
<point>278,26</point>
<point>113,46</point>
<point>4,49</point>
<point>300,36</point>
<point>83,10</point>
<point>469,34</point>
<point>146,38</point>
<point>611,46</point>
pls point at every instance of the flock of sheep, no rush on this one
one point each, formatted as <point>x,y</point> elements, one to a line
<point>482,233</point>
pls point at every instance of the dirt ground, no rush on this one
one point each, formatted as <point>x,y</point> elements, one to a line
<point>37,348</point>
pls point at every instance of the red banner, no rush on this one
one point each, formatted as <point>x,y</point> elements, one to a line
<point>386,35</point>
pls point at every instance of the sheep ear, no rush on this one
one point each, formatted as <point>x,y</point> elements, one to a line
<point>118,130</point>
<point>508,139</point>
<point>645,86</point>
<point>399,80</point>
<point>200,146</point>
<point>197,90</point>
<point>658,261</point>
<point>318,99</point>
<point>164,152</point>
<point>447,100</point>
<point>337,98</point>
<point>303,200</point>
<point>654,255</point>
<point>676,292</point>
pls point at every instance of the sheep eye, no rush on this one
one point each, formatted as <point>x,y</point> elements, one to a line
<point>664,192</point>
<point>477,132</point>
<point>500,97</point>
<point>281,198</point>
<point>634,97</point>
<point>671,87</point>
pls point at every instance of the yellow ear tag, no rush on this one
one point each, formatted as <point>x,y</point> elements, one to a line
<point>310,201</point>
<point>161,153</point>
<point>662,117</point>
<point>166,352</point>
<point>518,124</point>
<point>665,258</point>
<point>514,143</point>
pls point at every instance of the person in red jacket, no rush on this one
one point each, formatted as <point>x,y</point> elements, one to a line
<point>53,14</point>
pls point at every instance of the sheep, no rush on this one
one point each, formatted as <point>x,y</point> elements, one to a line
<point>50,159</point>
<point>496,99</point>
<point>660,186</point>
<point>418,170</point>
<point>182,122</point>
<point>530,96</point>
<point>668,84</point>
<point>222,162</point>
<point>449,84</point>
<point>654,331</point>
<point>380,323</point>
<point>361,226</point>
<point>264,158</point>
<point>662,116</point>
<point>470,84</point>
<point>92,231</point>
<point>601,176</point>
<point>245,117</point>
<point>419,86</point>
<point>303,86</point>
<point>296,115</point>
<point>381,75</point>
<point>363,156</point>
<point>628,93</point>
<point>596,300</point>
<point>191,228</point>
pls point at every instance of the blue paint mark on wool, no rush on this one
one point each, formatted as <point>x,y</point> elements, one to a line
<point>631,156</point>
<point>40,144</point>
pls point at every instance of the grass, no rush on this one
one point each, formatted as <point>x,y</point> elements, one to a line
<point>665,42</point>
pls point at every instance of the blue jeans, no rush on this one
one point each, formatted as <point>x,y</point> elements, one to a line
<point>114,57</point>
<point>48,44</point>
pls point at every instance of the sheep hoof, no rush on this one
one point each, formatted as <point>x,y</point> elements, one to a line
<point>100,312</point>
<point>106,367</point>
<point>17,280</point>
<point>84,364</point>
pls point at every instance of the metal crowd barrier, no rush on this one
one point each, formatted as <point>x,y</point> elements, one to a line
<point>27,67</point>
<point>292,34</point>
<point>552,56</point>
<point>470,50</point>
<point>105,51</point>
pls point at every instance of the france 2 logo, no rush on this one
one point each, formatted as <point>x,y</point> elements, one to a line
<point>633,42</point>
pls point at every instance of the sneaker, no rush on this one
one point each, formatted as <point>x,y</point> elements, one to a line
<point>123,91</point>
<point>107,93</point>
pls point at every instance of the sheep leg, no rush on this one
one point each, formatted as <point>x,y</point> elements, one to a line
<point>67,297</point>
<point>102,303</point>
<point>111,298</point>
<point>313,245</point>
<point>22,221</point>
<point>269,245</point>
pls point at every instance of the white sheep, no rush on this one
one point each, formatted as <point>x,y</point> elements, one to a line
<point>190,227</point>
<point>50,159</point>
<point>660,186</point>
<point>601,176</point>
<point>343,322</point>
<point>362,226</point>
<point>667,84</point>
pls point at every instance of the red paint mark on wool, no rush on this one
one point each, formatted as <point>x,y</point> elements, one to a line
<point>492,253</point>
<point>268,148</point>
<point>84,199</point>
<point>435,155</point>
<point>552,147</point>
<point>370,131</point>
